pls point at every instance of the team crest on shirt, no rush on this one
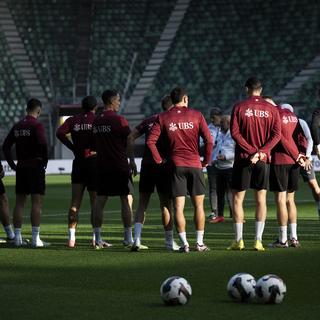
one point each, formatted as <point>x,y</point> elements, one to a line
<point>173,127</point>
<point>76,127</point>
<point>249,113</point>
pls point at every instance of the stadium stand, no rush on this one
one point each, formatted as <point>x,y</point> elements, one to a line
<point>218,45</point>
<point>121,29</point>
<point>48,30</point>
<point>221,43</point>
<point>305,99</point>
<point>12,89</point>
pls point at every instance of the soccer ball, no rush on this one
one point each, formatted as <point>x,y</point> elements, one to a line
<point>241,287</point>
<point>270,289</point>
<point>175,291</point>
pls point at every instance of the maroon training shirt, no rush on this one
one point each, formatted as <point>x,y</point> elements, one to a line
<point>182,127</point>
<point>144,128</point>
<point>255,126</point>
<point>80,127</point>
<point>286,151</point>
<point>111,132</point>
<point>31,146</point>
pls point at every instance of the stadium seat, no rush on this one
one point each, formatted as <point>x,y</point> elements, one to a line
<point>12,89</point>
<point>229,41</point>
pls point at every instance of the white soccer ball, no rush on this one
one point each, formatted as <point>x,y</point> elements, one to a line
<point>270,289</point>
<point>175,291</point>
<point>241,287</point>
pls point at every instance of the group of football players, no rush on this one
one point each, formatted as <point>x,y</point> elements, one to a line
<point>272,146</point>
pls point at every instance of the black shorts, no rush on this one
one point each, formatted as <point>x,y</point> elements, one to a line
<point>155,175</point>
<point>2,188</point>
<point>187,180</point>
<point>30,180</point>
<point>245,176</point>
<point>84,172</point>
<point>307,175</point>
<point>284,177</point>
<point>114,183</point>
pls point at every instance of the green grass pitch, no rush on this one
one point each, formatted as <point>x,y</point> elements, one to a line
<point>59,283</point>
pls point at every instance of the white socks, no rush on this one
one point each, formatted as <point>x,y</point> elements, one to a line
<point>9,231</point>
<point>183,238</point>
<point>35,234</point>
<point>293,231</point>
<point>259,230</point>
<point>72,234</point>
<point>137,233</point>
<point>17,234</point>
<point>169,236</point>
<point>97,233</point>
<point>283,237</point>
<point>238,229</point>
<point>199,235</point>
<point>128,235</point>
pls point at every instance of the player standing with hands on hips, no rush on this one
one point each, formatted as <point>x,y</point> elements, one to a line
<point>83,175</point>
<point>31,148</point>
<point>183,127</point>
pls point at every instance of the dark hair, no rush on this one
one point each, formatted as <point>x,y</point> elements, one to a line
<point>253,84</point>
<point>33,103</point>
<point>88,103</point>
<point>166,102</point>
<point>108,95</point>
<point>215,112</point>
<point>177,94</point>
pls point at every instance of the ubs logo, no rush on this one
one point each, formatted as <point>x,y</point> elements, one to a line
<point>289,119</point>
<point>173,127</point>
<point>101,129</point>
<point>257,113</point>
<point>22,133</point>
<point>83,126</point>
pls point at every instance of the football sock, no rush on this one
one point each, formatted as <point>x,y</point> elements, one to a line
<point>17,234</point>
<point>293,231</point>
<point>35,234</point>
<point>128,235</point>
<point>199,236</point>
<point>283,237</point>
<point>183,238</point>
<point>169,236</point>
<point>9,231</point>
<point>72,234</point>
<point>259,230</point>
<point>97,233</point>
<point>238,228</point>
<point>137,233</point>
